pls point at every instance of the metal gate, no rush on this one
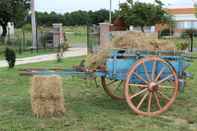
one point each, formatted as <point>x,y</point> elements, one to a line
<point>93,38</point>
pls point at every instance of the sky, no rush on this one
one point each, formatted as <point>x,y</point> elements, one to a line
<point>62,6</point>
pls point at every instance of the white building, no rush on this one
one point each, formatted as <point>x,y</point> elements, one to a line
<point>185,18</point>
<point>10,29</point>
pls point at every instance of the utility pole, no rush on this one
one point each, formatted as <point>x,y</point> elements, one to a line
<point>110,12</point>
<point>33,22</point>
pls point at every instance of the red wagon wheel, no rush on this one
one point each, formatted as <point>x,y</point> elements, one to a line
<point>151,86</point>
<point>114,88</point>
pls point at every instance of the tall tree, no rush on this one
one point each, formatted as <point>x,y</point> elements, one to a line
<point>72,18</point>
<point>14,11</point>
<point>99,16</point>
<point>143,14</point>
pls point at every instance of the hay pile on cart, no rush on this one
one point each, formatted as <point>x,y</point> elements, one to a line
<point>132,40</point>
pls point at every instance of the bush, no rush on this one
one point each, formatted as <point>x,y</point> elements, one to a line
<point>10,57</point>
<point>182,45</point>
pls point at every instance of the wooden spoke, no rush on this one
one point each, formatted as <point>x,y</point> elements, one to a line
<point>150,101</point>
<point>154,70</point>
<point>164,96</point>
<point>166,87</point>
<point>142,100</point>
<point>140,77</point>
<point>165,79</point>
<point>139,85</point>
<point>146,72</point>
<point>113,88</point>
<point>157,100</point>
<point>160,73</point>
<point>137,94</point>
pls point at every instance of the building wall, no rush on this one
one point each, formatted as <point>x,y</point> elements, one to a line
<point>185,18</point>
<point>10,29</point>
<point>185,21</point>
<point>147,29</point>
<point>181,17</point>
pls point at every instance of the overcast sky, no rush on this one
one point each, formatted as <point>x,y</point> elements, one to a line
<point>63,6</point>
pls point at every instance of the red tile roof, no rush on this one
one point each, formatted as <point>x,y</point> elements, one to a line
<point>181,11</point>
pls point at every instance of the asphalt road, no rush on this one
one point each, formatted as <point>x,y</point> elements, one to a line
<point>72,52</point>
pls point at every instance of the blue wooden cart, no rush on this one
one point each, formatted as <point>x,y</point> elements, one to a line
<point>148,81</point>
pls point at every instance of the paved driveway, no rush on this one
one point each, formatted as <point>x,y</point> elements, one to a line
<point>72,52</point>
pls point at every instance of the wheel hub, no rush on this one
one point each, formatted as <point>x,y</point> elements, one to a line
<point>152,87</point>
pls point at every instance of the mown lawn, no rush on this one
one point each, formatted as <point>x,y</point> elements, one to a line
<point>77,38</point>
<point>88,107</point>
<point>76,35</point>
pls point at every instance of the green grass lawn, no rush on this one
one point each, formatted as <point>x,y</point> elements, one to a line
<point>88,108</point>
<point>81,29</point>
<point>76,34</point>
<point>77,38</point>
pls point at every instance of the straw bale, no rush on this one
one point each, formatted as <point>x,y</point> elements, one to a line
<point>47,96</point>
<point>46,87</point>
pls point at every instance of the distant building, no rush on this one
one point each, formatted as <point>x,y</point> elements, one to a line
<point>185,18</point>
<point>10,29</point>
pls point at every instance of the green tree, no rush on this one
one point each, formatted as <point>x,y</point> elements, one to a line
<point>78,18</point>
<point>14,11</point>
<point>143,14</point>
<point>99,16</point>
<point>73,18</point>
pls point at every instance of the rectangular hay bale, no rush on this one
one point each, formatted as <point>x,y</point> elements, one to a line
<point>47,96</point>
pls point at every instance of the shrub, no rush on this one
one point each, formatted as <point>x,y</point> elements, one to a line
<point>10,57</point>
<point>182,45</point>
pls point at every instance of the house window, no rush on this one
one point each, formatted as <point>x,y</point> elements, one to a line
<point>186,25</point>
<point>180,25</point>
<point>194,24</point>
